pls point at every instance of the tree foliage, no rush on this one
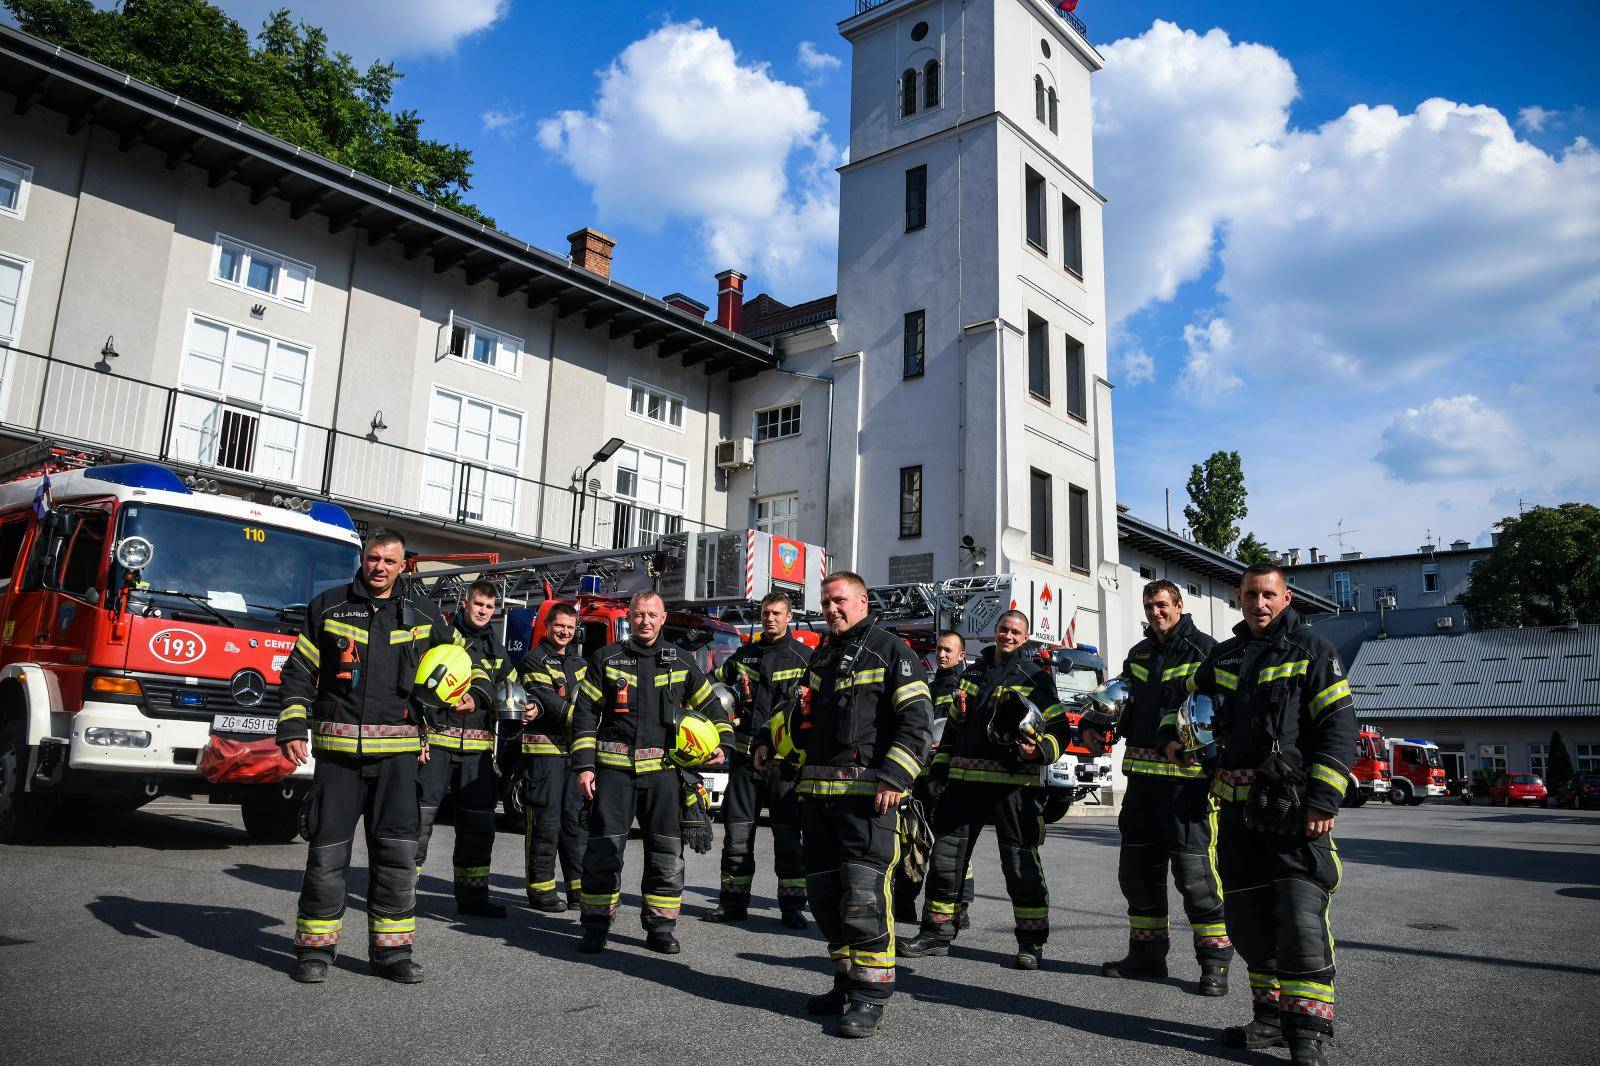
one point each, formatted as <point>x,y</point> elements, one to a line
<point>1558,770</point>
<point>1249,550</point>
<point>1544,570</point>
<point>1217,500</point>
<point>287,84</point>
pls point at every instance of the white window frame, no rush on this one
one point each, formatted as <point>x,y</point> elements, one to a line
<point>1430,570</point>
<point>458,457</point>
<point>1539,760</point>
<point>1343,589</point>
<point>251,253</point>
<point>503,341</point>
<point>669,519</point>
<point>755,422</point>
<point>780,525</point>
<point>22,295</point>
<point>668,398</point>
<point>260,408</point>
<point>25,182</point>
<point>1494,757</point>
<point>1586,758</point>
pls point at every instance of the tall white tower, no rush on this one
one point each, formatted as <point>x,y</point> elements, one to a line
<point>972,344</point>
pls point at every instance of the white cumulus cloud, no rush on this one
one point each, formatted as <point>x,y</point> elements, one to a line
<point>1450,437</point>
<point>683,130</point>
<point>1535,118</point>
<point>1137,366</point>
<point>1206,376</point>
<point>813,59</point>
<point>381,29</point>
<point>503,121</point>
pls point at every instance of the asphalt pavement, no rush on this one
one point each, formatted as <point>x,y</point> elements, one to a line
<point>1465,935</point>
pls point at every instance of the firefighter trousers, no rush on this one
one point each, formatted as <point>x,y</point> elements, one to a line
<point>380,793</point>
<point>850,854</point>
<point>906,890</point>
<point>552,804</point>
<point>467,777</point>
<point>655,800</point>
<point>1171,822</point>
<point>748,792</point>
<point>1017,814</point>
<point>1278,890</point>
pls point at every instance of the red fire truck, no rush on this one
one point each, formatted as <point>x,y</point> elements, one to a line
<point>142,615</point>
<point>1407,771</point>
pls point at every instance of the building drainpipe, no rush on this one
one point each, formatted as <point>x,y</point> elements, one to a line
<point>826,379</point>
<point>338,378</point>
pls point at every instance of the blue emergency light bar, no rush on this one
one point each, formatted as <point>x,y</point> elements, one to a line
<point>139,476</point>
<point>332,514</point>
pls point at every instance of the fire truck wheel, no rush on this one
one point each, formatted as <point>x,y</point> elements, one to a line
<point>1400,793</point>
<point>19,812</point>
<point>1354,798</point>
<point>269,818</point>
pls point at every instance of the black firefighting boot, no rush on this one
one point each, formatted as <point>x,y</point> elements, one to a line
<point>594,939</point>
<point>1257,1034</point>
<point>548,902</point>
<point>311,971</point>
<point>1146,961</point>
<point>663,941</point>
<point>861,1019</point>
<point>831,1002</point>
<point>405,971</point>
<point>479,907</point>
<point>962,919</point>
<point>724,912</point>
<point>1213,979</point>
<point>1306,1051</point>
<point>1029,957</point>
<point>925,943</point>
<point>794,918</point>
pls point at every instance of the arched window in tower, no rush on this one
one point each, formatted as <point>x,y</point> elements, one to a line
<point>1052,95</point>
<point>930,84</point>
<point>1038,98</point>
<point>908,94</point>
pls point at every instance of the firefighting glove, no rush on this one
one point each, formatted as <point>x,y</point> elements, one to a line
<point>1276,804</point>
<point>694,821</point>
<point>583,814</point>
<point>916,841</point>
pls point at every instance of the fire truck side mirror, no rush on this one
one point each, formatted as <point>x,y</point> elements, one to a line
<point>45,566</point>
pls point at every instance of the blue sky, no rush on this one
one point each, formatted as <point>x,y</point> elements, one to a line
<point>1386,304</point>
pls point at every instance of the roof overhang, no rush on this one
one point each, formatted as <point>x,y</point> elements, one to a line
<point>39,74</point>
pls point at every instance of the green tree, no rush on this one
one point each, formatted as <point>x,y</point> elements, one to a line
<point>1249,550</point>
<point>1544,570</point>
<point>1216,500</point>
<point>1558,769</point>
<point>288,85</point>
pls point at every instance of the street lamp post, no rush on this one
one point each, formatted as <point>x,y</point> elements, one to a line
<point>606,451</point>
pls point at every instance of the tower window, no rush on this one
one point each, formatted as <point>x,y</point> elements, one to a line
<point>919,31</point>
<point>1072,236</point>
<point>1038,98</point>
<point>1033,193</point>
<point>1039,357</point>
<point>1077,382</point>
<point>1041,533</point>
<point>1078,511</point>
<point>915,341</point>
<point>908,94</point>
<point>1051,94</point>
<point>930,84</point>
<point>910,502</point>
<point>916,198</point>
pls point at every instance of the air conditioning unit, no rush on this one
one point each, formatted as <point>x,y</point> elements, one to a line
<point>1445,622</point>
<point>736,454</point>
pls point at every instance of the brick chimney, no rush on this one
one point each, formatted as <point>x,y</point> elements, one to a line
<point>686,303</point>
<point>730,300</point>
<point>591,250</point>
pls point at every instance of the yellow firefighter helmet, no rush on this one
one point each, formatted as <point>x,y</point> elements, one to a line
<point>697,741</point>
<point>446,672</point>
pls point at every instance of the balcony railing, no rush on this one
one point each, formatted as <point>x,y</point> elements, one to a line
<point>250,446</point>
<point>863,6</point>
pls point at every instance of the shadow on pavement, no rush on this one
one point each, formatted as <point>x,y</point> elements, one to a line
<point>234,931</point>
<point>1483,960</point>
<point>1558,867</point>
<point>1579,893</point>
<point>1530,818</point>
<point>159,831</point>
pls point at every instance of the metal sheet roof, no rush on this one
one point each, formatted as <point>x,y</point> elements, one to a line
<point>1542,673</point>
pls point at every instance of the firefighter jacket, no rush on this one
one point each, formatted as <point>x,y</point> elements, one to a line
<point>1285,687</point>
<point>552,676</point>
<point>348,682</point>
<point>762,674</point>
<point>1158,675</point>
<point>945,685</point>
<point>474,731</point>
<point>870,715</point>
<point>967,752</point>
<point>629,704</point>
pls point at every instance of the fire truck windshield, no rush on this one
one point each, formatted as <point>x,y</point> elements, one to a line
<point>1077,680</point>
<point>222,570</point>
<point>710,647</point>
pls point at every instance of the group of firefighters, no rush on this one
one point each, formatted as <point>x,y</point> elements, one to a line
<point>832,743</point>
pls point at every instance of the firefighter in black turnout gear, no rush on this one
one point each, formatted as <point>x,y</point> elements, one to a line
<point>1285,726</point>
<point>552,671</point>
<point>1167,815</point>
<point>762,674</point>
<point>624,728</point>
<point>987,772</point>
<point>348,688</point>
<point>863,724</point>
<point>461,759</point>
<point>950,654</point>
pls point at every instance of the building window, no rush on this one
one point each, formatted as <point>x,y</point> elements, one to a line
<point>779,515</point>
<point>266,274</point>
<point>654,405</point>
<point>1033,194</point>
<point>1588,758</point>
<point>1040,517</point>
<point>910,502</point>
<point>1194,590</point>
<point>1430,577</point>
<point>1078,512</point>
<point>1384,592</point>
<point>930,84</point>
<point>651,493</point>
<point>1072,236</point>
<point>484,346</point>
<point>916,198</point>
<point>1077,382</point>
<point>1341,588</point>
<point>1539,760</point>
<point>1039,357</point>
<point>1050,94</point>
<point>1492,757</point>
<point>1147,573</point>
<point>241,397</point>
<point>15,180</point>
<point>477,455</point>
<point>1038,98</point>
<point>908,94</point>
<point>775,423</point>
<point>915,343</point>
<point>13,296</point>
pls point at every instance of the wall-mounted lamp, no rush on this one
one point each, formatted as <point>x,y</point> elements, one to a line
<point>108,352</point>
<point>581,482</point>
<point>378,426</point>
<point>258,311</point>
<point>980,555</point>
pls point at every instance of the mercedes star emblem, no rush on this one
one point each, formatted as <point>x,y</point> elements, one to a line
<point>248,687</point>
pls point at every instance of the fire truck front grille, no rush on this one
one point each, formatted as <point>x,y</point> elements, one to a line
<point>170,698</point>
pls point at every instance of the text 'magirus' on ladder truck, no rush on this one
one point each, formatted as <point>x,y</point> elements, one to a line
<point>699,575</point>
<point>143,616</point>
